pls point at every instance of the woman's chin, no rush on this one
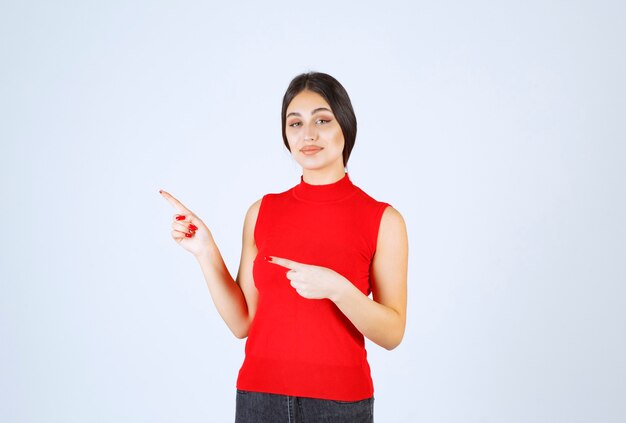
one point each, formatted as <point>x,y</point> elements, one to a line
<point>316,163</point>
<point>311,163</point>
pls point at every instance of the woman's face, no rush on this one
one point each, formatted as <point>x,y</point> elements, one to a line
<point>314,135</point>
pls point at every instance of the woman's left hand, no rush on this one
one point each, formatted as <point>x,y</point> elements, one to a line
<point>312,282</point>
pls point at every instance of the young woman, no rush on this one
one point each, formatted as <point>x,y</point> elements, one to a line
<point>311,256</point>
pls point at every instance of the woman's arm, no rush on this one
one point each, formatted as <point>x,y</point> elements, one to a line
<point>382,320</point>
<point>235,301</point>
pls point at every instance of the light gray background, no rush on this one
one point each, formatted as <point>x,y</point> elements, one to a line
<point>495,128</point>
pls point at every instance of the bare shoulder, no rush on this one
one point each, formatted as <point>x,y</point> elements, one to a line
<point>391,213</point>
<point>390,263</point>
<point>392,223</point>
<point>254,207</point>
<point>253,212</point>
<point>392,244</point>
<point>249,251</point>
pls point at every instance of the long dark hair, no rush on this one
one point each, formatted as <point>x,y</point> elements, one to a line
<point>337,98</point>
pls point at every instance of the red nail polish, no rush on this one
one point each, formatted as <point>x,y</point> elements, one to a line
<point>180,217</point>
<point>267,258</point>
<point>188,235</point>
<point>193,227</point>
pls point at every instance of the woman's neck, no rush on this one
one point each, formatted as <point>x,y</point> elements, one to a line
<point>323,176</point>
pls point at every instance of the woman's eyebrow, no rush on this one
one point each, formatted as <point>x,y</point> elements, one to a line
<point>312,113</point>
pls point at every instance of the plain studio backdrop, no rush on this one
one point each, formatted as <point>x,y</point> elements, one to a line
<point>495,128</point>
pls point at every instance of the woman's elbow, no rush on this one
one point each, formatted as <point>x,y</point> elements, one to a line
<point>240,334</point>
<point>396,340</point>
<point>393,343</point>
<point>241,330</point>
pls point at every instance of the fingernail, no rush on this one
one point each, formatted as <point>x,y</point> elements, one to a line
<point>267,258</point>
<point>160,191</point>
<point>180,217</point>
<point>188,235</point>
<point>193,227</point>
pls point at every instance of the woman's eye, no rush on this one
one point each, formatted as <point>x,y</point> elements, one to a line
<point>319,121</point>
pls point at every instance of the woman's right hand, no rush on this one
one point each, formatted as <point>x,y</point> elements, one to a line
<point>188,230</point>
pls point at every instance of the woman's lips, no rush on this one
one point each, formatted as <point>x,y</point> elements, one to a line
<point>310,150</point>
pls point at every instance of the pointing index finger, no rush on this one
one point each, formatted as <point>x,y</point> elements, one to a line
<point>289,264</point>
<point>174,202</point>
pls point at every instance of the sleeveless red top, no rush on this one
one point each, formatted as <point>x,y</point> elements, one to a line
<point>308,347</point>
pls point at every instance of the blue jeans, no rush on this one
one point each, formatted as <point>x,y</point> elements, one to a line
<point>260,407</point>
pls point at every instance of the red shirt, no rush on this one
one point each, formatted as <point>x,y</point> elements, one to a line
<point>308,347</point>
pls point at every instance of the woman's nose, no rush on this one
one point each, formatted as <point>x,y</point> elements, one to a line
<point>310,133</point>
